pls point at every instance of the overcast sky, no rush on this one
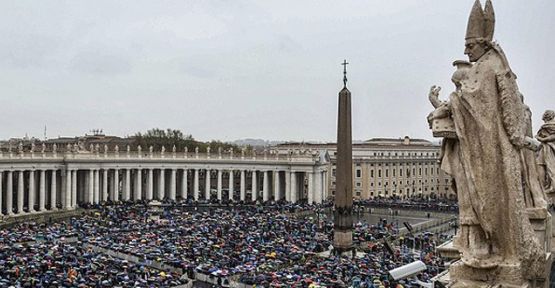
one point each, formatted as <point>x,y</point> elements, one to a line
<point>230,69</point>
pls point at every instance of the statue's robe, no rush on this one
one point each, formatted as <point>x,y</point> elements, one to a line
<point>488,113</point>
<point>546,157</point>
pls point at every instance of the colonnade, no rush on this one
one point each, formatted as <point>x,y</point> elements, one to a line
<point>30,190</point>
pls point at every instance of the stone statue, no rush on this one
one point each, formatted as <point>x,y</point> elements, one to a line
<point>546,156</point>
<point>174,149</point>
<point>54,148</point>
<point>220,152</point>
<point>20,148</point>
<point>139,149</point>
<point>105,149</point>
<point>163,150</point>
<point>43,148</point>
<point>33,147</point>
<point>116,149</point>
<point>485,128</point>
<point>91,148</point>
<point>80,146</point>
<point>150,149</point>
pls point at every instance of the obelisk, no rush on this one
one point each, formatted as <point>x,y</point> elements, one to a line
<point>343,222</point>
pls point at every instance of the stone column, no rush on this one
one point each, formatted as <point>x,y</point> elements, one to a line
<point>230,186</point>
<point>219,185</point>
<point>90,185</point>
<point>294,188</point>
<point>184,185</point>
<point>96,186</point>
<point>115,190</point>
<point>32,192</point>
<point>287,186</point>
<point>265,187</point>
<point>127,188</point>
<point>310,187</point>
<point>242,187</point>
<point>9,193</point>
<point>73,189</point>
<point>149,185</point>
<point>66,195</point>
<point>195,185</point>
<point>207,184</point>
<point>53,190</point>
<point>318,188</point>
<point>42,191</point>
<point>162,184</point>
<point>173,182</point>
<point>104,185</point>
<point>277,186</point>
<point>1,191</point>
<point>20,192</point>
<point>254,189</point>
<point>139,185</point>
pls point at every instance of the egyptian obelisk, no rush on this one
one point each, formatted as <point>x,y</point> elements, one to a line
<point>343,222</point>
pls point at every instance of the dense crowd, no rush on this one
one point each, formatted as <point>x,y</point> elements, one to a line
<point>256,246</point>
<point>414,203</point>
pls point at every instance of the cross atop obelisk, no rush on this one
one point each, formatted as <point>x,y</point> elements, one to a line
<point>345,63</point>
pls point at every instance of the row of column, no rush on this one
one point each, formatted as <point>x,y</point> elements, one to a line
<point>35,190</point>
<point>31,191</point>
<point>149,184</point>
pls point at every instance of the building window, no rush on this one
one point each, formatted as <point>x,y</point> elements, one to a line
<point>386,172</point>
<point>379,173</point>
<point>359,173</point>
<point>358,184</point>
<point>400,172</point>
<point>358,193</point>
<point>371,173</point>
<point>394,172</point>
<point>333,172</point>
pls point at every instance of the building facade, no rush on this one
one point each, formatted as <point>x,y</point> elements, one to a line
<point>37,181</point>
<point>387,168</point>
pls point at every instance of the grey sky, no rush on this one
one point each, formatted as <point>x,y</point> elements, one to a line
<point>221,69</point>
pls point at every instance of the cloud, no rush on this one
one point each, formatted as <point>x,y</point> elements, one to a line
<point>100,64</point>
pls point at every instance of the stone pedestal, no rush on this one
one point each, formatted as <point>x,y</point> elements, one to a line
<point>541,221</point>
<point>506,276</point>
<point>342,241</point>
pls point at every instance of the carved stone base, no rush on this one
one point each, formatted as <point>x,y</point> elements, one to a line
<point>503,276</point>
<point>342,241</point>
<point>541,221</point>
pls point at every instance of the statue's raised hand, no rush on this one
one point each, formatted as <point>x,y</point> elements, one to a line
<point>433,96</point>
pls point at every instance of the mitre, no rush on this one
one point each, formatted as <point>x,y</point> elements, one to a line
<point>481,23</point>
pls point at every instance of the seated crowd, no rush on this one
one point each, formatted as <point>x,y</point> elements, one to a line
<point>262,246</point>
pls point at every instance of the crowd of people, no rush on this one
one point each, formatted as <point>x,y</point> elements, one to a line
<point>415,203</point>
<point>263,246</point>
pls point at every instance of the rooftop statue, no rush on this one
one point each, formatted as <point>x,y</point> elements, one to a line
<point>546,156</point>
<point>488,150</point>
